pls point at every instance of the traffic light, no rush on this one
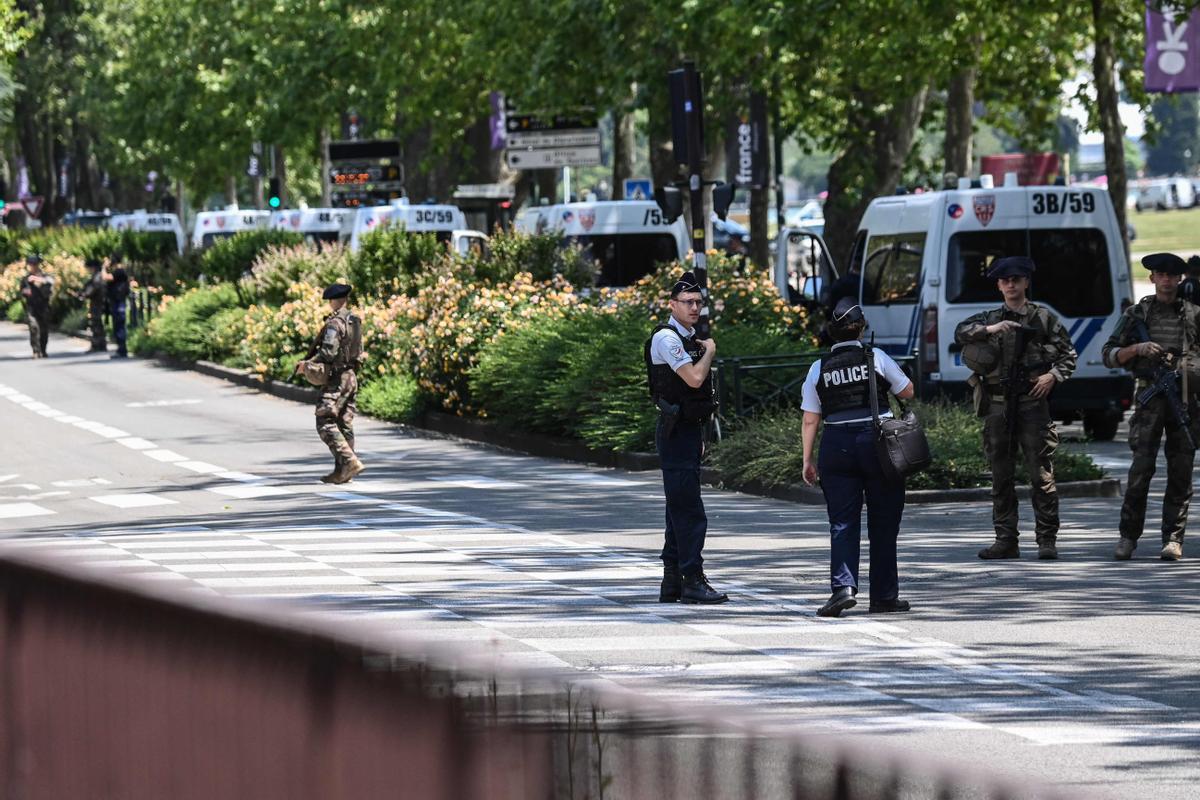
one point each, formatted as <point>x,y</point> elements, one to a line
<point>273,194</point>
<point>670,202</point>
<point>722,198</point>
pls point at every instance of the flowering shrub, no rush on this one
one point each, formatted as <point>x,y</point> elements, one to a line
<point>454,321</point>
<point>277,268</point>
<point>276,338</point>
<point>69,275</point>
<point>183,325</point>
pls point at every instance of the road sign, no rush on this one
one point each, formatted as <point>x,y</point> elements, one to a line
<point>553,158</point>
<point>638,189</point>
<point>582,137</point>
<point>33,205</point>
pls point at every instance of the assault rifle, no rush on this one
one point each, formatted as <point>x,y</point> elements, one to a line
<point>1016,383</point>
<point>1164,380</point>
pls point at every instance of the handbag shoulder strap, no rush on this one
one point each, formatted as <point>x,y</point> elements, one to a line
<point>871,386</point>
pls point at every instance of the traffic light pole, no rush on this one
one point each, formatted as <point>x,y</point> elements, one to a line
<point>693,107</point>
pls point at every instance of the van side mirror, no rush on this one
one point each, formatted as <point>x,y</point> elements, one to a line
<point>722,198</point>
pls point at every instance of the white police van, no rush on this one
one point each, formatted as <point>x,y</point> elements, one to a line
<point>317,225</point>
<point>441,220</point>
<point>924,260</point>
<point>625,238</point>
<point>166,225</point>
<point>213,225</point>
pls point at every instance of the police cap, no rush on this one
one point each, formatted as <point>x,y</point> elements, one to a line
<point>335,290</point>
<point>847,313</point>
<point>1012,267</point>
<point>1167,263</point>
<point>33,258</point>
<point>687,283</point>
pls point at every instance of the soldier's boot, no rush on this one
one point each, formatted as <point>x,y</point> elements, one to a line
<point>1001,548</point>
<point>332,477</point>
<point>1172,551</point>
<point>348,470</point>
<point>1125,548</point>
<point>696,590</point>
<point>1047,548</point>
<point>672,585</point>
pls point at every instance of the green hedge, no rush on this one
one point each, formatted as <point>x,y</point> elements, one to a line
<point>184,327</point>
<point>232,257</point>
<point>768,448</point>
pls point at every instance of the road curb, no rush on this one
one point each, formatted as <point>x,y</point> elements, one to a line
<point>493,433</point>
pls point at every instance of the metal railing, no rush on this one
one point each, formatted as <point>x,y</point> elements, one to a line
<point>111,687</point>
<point>749,384</point>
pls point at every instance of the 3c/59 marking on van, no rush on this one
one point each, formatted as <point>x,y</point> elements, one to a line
<point>435,217</point>
<point>1055,203</point>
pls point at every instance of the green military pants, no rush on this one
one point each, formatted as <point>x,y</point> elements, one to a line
<point>335,413</point>
<point>1146,429</point>
<point>1037,440</point>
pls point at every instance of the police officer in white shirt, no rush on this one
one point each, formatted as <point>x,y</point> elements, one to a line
<point>837,391</point>
<point>679,373</point>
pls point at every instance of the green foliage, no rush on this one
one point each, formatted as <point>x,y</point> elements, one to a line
<point>183,326</point>
<point>74,320</point>
<point>391,397</point>
<point>16,312</point>
<point>225,338</point>
<point>768,449</point>
<point>541,255</point>
<point>278,268</point>
<point>232,257</point>
<point>391,261</point>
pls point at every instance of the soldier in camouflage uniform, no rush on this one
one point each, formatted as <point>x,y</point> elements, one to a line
<point>339,349</point>
<point>1171,323</point>
<point>36,288</point>
<point>95,292</point>
<point>1047,359</point>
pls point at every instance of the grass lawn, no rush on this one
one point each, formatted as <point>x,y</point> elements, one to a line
<point>1176,231</point>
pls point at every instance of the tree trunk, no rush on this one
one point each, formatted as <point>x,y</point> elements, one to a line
<point>624,144</point>
<point>870,166</point>
<point>663,169</point>
<point>960,101</point>
<point>256,187</point>
<point>760,209</point>
<point>231,190</point>
<point>326,165</point>
<point>1107,99</point>
<point>281,173</point>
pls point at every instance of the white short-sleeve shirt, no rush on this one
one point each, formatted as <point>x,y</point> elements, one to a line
<point>884,366</point>
<point>666,346</point>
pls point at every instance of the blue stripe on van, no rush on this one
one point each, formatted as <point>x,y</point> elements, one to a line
<point>1087,330</point>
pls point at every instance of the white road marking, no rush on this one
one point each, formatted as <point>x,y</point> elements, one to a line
<point>37,495</point>
<point>135,443</point>
<point>241,477</point>
<point>14,510</point>
<point>76,483</point>
<point>33,487</point>
<point>164,455</point>
<point>162,403</point>
<point>274,566</point>
<point>6,478</point>
<point>477,482</point>
<point>69,420</point>
<point>247,491</point>
<point>298,580</point>
<point>202,467</point>
<point>133,500</point>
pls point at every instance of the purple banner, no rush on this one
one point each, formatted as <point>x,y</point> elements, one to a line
<point>497,122</point>
<point>1172,50</point>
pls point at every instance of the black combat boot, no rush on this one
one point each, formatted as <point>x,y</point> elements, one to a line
<point>672,585</point>
<point>842,599</point>
<point>696,590</point>
<point>1001,548</point>
<point>889,606</point>
<point>1047,549</point>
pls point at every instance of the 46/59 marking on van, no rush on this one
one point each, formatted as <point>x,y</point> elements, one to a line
<point>1055,203</point>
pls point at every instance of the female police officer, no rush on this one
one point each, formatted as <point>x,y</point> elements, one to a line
<point>837,391</point>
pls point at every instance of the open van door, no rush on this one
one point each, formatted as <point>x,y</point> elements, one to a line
<point>804,272</point>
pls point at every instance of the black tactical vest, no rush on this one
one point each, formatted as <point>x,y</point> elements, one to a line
<point>843,385</point>
<point>695,404</point>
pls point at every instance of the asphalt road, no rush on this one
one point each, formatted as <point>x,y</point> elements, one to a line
<point>1081,671</point>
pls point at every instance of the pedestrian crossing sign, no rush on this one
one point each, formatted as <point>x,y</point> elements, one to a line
<point>638,189</point>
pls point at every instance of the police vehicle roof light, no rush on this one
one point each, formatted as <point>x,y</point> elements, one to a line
<point>964,184</point>
<point>987,182</point>
<point>1011,180</point>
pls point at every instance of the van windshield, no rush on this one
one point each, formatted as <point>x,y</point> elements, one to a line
<point>623,259</point>
<point>209,238</point>
<point>1073,271</point>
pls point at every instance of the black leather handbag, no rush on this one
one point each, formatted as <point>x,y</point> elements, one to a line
<point>901,444</point>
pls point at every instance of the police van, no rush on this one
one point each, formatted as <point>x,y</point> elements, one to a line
<point>626,239</point>
<point>441,220</point>
<point>213,225</point>
<point>317,225</point>
<point>165,225</point>
<point>923,261</point>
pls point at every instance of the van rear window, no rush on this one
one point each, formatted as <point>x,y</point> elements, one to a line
<point>623,259</point>
<point>1073,271</point>
<point>209,238</point>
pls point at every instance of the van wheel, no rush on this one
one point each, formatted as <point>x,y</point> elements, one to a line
<point>1101,426</point>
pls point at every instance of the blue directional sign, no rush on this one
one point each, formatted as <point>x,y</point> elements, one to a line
<point>639,189</point>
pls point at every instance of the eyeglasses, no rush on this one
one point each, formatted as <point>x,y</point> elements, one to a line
<point>692,303</point>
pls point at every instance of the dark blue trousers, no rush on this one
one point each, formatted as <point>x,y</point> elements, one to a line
<point>849,471</point>
<point>118,323</point>
<point>686,522</point>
